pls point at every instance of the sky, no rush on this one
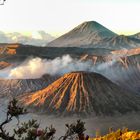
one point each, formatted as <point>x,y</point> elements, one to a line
<point>57,17</point>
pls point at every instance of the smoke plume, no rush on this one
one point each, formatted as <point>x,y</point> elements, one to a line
<point>37,67</point>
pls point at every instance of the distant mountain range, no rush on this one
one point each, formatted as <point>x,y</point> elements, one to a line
<point>39,38</point>
<point>92,34</point>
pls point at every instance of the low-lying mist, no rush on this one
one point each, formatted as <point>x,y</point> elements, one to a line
<point>34,68</point>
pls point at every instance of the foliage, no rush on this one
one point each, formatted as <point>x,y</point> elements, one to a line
<point>74,130</point>
<point>13,111</point>
<point>31,130</point>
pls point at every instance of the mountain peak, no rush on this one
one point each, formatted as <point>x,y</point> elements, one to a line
<point>86,34</point>
<point>92,25</point>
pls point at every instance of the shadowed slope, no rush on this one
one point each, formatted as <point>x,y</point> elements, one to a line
<point>15,87</point>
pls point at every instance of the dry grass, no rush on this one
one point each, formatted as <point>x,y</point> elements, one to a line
<point>123,134</point>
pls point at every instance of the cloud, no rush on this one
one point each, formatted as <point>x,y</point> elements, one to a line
<point>34,68</point>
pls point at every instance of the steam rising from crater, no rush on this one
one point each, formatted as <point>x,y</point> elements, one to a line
<point>36,67</point>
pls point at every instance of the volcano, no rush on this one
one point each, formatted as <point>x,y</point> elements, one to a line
<point>86,34</point>
<point>82,93</point>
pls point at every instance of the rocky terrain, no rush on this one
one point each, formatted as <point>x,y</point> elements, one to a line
<point>15,87</point>
<point>121,66</point>
<point>126,73</point>
<point>4,65</point>
<point>137,35</point>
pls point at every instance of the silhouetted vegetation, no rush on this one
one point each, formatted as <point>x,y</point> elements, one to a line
<point>31,130</point>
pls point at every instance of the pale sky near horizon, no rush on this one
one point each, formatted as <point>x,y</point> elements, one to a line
<point>56,17</point>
